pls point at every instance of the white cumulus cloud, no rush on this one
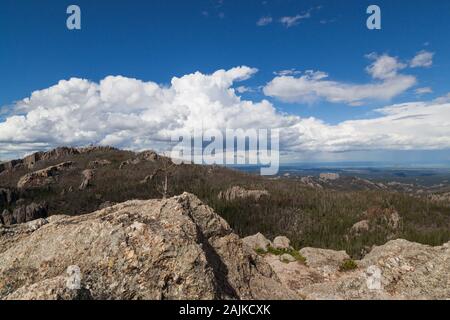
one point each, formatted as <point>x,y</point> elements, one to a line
<point>135,114</point>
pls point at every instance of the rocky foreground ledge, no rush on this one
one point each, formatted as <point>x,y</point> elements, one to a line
<point>179,248</point>
<point>157,249</point>
<point>397,270</point>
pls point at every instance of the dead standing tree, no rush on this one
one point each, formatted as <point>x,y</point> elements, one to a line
<point>165,170</point>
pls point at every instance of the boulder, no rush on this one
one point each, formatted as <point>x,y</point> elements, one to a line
<point>281,242</point>
<point>323,258</point>
<point>257,242</point>
<point>176,248</point>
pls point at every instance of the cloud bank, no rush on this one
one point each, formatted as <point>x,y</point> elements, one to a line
<point>135,114</point>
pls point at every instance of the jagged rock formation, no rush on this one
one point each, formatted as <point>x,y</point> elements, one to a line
<point>42,177</point>
<point>58,153</point>
<point>54,154</point>
<point>24,214</point>
<point>158,249</point>
<point>237,192</point>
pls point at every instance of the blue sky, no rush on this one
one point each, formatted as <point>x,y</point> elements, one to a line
<point>157,40</point>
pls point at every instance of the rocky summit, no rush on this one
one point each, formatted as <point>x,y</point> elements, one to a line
<point>177,248</point>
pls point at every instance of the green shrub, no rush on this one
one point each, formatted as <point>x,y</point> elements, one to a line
<point>292,252</point>
<point>348,265</point>
<point>275,251</point>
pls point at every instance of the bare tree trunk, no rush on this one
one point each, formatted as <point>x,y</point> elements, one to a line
<point>165,187</point>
